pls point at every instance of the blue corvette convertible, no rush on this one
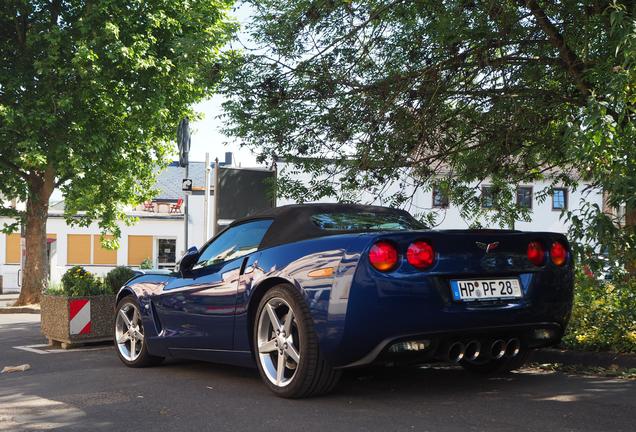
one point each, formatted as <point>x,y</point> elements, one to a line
<point>304,291</point>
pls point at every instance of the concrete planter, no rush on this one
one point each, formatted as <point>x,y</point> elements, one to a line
<point>77,320</point>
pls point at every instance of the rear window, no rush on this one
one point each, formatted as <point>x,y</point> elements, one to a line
<point>365,221</point>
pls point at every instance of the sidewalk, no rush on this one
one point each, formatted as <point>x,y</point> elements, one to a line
<point>8,299</point>
<point>6,305</point>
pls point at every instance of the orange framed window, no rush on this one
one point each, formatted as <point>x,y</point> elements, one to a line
<point>78,249</point>
<point>139,249</point>
<point>12,249</point>
<point>101,255</point>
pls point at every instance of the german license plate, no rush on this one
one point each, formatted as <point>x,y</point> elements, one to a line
<point>485,289</point>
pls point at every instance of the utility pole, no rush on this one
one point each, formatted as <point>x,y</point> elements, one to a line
<point>206,199</point>
<point>185,210</point>
<point>183,143</point>
<point>215,207</point>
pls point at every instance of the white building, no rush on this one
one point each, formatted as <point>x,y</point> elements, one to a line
<point>156,239</point>
<point>545,215</point>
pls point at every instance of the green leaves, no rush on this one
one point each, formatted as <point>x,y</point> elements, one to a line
<point>604,314</point>
<point>93,91</point>
<point>369,94</point>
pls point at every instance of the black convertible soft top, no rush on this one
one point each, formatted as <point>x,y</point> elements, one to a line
<point>294,222</point>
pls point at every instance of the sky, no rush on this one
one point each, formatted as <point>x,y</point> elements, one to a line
<point>206,133</point>
<point>207,136</point>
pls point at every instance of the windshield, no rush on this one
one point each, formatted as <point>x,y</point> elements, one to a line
<point>365,221</point>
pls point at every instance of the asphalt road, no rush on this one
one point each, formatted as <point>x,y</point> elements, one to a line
<point>92,391</point>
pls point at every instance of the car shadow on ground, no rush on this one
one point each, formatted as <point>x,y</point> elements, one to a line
<point>436,380</point>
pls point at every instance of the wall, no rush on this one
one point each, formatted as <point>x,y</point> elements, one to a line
<point>155,227</point>
<point>196,220</point>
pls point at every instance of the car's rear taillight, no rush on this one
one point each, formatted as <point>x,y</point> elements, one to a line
<point>558,254</point>
<point>536,254</point>
<point>383,256</point>
<point>420,254</point>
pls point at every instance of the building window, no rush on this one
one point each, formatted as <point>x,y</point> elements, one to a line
<point>139,249</point>
<point>101,255</point>
<point>487,197</point>
<point>12,249</point>
<point>524,197</point>
<point>560,199</point>
<point>166,253</point>
<point>440,199</point>
<point>87,249</point>
<point>78,249</point>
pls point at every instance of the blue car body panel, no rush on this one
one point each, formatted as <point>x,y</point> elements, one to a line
<point>358,311</point>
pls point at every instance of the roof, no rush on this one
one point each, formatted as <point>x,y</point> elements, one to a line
<point>293,222</point>
<point>169,180</point>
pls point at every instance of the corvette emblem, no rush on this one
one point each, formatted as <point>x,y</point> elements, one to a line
<point>487,246</point>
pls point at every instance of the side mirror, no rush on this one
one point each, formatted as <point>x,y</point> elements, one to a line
<point>188,261</point>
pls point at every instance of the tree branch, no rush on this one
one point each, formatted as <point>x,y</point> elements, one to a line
<point>14,168</point>
<point>571,61</point>
<point>56,6</point>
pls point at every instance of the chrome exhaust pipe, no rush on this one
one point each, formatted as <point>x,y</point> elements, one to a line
<point>456,352</point>
<point>513,346</point>
<point>498,349</point>
<point>472,350</point>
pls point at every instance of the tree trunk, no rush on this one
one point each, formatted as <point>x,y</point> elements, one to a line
<point>35,271</point>
<point>630,223</point>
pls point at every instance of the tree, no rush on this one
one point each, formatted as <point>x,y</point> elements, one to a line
<point>90,96</point>
<point>447,94</point>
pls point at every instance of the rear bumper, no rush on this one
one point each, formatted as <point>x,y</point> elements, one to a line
<point>437,342</point>
<point>379,315</point>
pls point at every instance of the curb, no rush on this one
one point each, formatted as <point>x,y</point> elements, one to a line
<point>19,310</point>
<point>584,358</point>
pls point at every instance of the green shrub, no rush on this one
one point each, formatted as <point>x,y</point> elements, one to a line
<point>146,264</point>
<point>77,282</point>
<point>604,315</point>
<point>54,288</point>
<point>117,277</point>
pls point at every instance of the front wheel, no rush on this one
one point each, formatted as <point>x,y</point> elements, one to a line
<point>129,335</point>
<point>286,346</point>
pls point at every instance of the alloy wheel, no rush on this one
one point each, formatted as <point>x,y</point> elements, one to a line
<point>129,332</point>
<point>278,342</point>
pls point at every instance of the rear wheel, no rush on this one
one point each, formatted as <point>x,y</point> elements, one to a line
<point>286,346</point>
<point>129,335</point>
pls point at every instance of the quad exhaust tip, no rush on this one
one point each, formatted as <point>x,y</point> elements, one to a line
<point>456,352</point>
<point>513,346</point>
<point>498,349</point>
<point>472,350</point>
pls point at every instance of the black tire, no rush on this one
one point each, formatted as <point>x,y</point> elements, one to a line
<point>144,359</point>
<point>499,366</point>
<point>314,375</point>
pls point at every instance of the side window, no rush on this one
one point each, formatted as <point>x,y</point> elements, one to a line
<point>440,198</point>
<point>487,197</point>
<point>560,199</point>
<point>524,197</point>
<point>236,242</point>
